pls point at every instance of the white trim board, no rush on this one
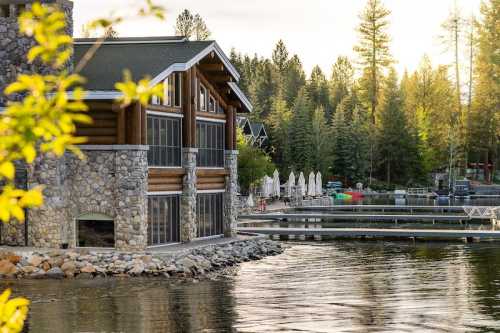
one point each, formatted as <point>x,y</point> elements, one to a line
<point>234,87</point>
<point>165,114</point>
<point>212,120</point>
<point>210,191</point>
<point>182,67</point>
<point>164,193</point>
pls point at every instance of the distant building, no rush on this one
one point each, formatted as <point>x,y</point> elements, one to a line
<point>254,132</point>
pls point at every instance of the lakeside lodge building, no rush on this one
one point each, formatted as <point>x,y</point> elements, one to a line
<point>154,175</point>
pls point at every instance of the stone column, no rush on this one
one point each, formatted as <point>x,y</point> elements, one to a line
<point>188,198</point>
<point>12,233</point>
<point>48,223</point>
<point>230,197</point>
<point>131,225</point>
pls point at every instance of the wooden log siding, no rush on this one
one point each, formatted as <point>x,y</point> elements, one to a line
<point>211,179</point>
<point>104,128</point>
<point>165,180</point>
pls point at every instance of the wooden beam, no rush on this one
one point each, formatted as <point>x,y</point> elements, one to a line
<point>120,127</point>
<point>229,129</point>
<point>188,108</point>
<point>136,124</point>
<point>234,129</point>
<point>159,172</point>
<point>221,78</point>
<point>212,67</point>
<point>201,172</point>
<point>144,125</point>
<point>195,88</point>
<point>235,104</point>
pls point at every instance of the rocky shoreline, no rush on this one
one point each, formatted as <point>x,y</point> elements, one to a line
<point>81,263</point>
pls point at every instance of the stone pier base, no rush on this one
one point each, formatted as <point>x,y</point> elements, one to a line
<point>188,198</point>
<point>230,197</point>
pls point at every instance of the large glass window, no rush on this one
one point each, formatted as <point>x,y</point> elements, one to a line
<point>164,140</point>
<point>210,144</point>
<point>163,219</point>
<point>172,87</point>
<point>209,209</point>
<point>212,104</point>
<point>203,98</point>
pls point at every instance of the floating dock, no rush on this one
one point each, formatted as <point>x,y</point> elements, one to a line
<point>364,232</point>
<point>325,217</point>
<point>383,208</point>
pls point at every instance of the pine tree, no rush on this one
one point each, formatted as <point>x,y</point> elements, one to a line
<point>191,26</point>
<point>394,141</point>
<point>200,29</point>
<point>184,24</point>
<point>454,27</point>
<point>294,80</point>
<point>373,51</point>
<point>300,133</point>
<point>278,125</point>
<point>341,83</point>
<point>486,101</point>
<point>359,146</point>
<point>317,88</point>
<point>341,164</point>
<point>320,142</point>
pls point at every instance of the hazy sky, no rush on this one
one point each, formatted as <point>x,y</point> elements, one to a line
<point>316,30</point>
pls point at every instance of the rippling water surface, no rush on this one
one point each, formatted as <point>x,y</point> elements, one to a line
<point>342,286</point>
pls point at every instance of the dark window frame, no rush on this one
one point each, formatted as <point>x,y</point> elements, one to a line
<point>163,219</point>
<point>210,141</point>
<point>164,138</point>
<point>209,214</point>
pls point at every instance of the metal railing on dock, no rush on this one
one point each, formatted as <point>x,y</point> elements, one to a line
<point>307,221</point>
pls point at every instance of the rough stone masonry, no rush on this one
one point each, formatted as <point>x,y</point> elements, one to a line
<point>14,47</point>
<point>110,181</point>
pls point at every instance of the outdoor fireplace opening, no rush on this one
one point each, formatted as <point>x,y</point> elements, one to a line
<point>96,231</point>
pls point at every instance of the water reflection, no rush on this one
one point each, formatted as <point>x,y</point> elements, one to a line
<point>343,286</point>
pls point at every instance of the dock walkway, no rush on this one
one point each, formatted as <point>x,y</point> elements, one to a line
<point>364,232</point>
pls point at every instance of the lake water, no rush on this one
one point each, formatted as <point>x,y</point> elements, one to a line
<point>341,286</point>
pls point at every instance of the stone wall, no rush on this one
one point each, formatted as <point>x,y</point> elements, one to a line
<point>13,233</point>
<point>14,47</point>
<point>188,197</point>
<point>111,181</point>
<point>231,203</point>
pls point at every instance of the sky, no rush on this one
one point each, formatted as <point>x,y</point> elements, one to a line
<point>318,31</point>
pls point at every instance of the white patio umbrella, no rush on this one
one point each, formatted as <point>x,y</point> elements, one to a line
<point>302,184</point>
<point>267,186</point>
<point>250,202</point>
<point>319,184</point>
<point>276,184</point>
<point>290,184</point>
<point>311,188</point>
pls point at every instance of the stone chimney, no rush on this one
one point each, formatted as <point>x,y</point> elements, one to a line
<point>14,46</point>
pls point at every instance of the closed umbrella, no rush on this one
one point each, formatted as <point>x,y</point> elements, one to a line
<point>276,184</point>
<point>302,184</point>
<point>311,188</point>
<point>291,183</point>
<point>267,187</point>
<point>319,184</point>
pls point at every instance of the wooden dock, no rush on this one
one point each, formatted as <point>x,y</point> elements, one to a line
<point>325,217</point>
<point>383,208</point>
<point>364,232</point>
